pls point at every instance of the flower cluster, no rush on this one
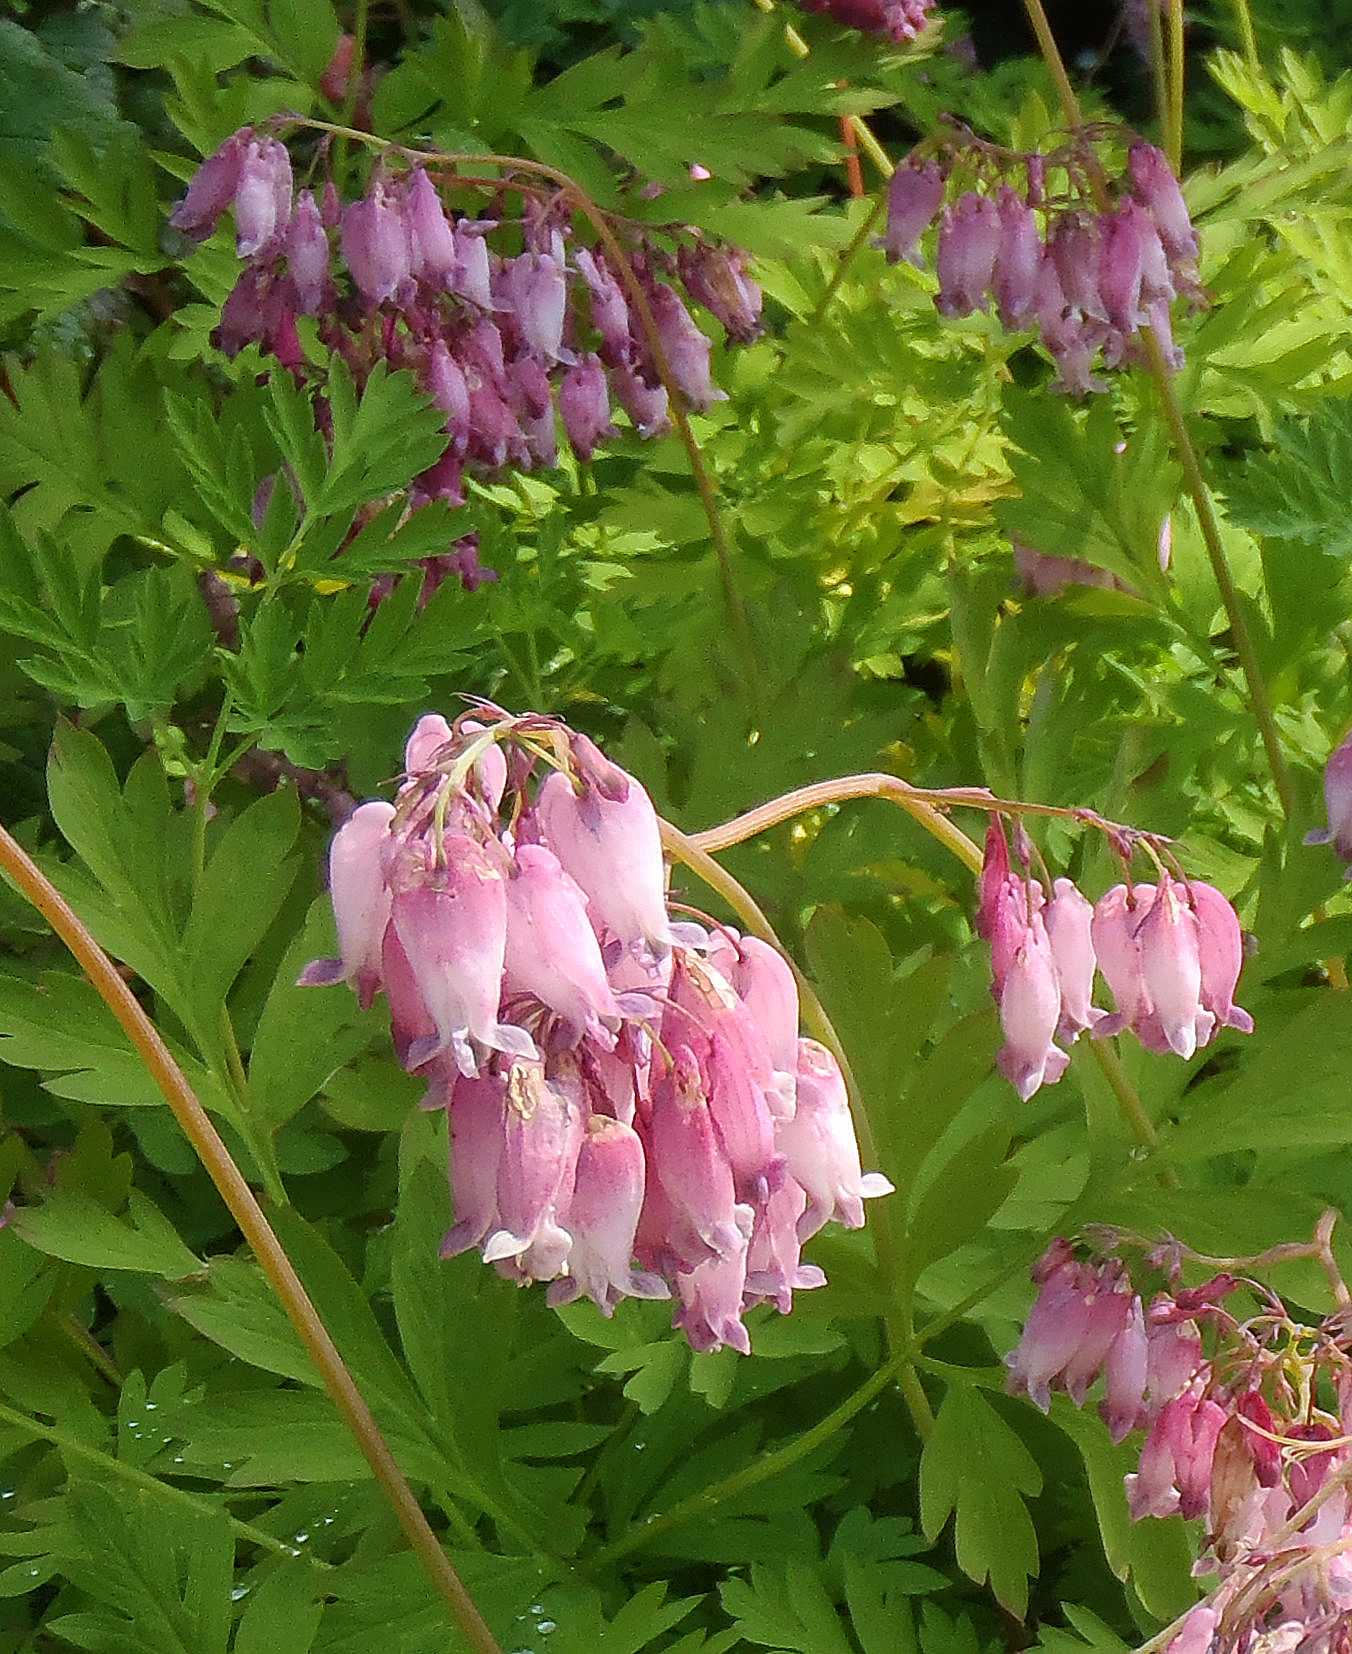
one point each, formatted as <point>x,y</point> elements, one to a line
<point>1088,267</point>
<point>631,1109</point>
<point>1239,1432</point>
<point>893,19</point>
<point>1170,952</point>
<point>501,342</point>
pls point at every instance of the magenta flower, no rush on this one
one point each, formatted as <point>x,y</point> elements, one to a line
<point>685,347</point>
<point>584,406</point>
<point>451,921</point>
<point>1175,1469</point>
<point>914,195</point>
<point>1018,260</point>
<point>969,244</point>
<point>213,188</point>
<point>1158,191</point>
<point>433,253</point>
<point>1220,944</point>
<point>307,256</point>
<point>541,1139</point>
<point>1030,1012</point>
<point>262,197</point>
<point>1068,918</point>
<point>716,278</point>
<point>375,245</point>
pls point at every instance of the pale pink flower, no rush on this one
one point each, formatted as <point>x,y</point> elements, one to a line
<point>361,903</point>
<point>603,1215</point>
<point>820,1147</point>
<point>613,848</point>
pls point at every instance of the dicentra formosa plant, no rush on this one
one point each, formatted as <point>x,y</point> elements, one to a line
<point>631,1106</point>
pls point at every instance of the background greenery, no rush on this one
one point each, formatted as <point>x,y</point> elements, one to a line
<point>173,1478</point>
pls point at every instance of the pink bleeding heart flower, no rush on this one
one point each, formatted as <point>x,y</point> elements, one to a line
<point>710,1312</point>
<point>969,244</point>
<point>584,406</point>
<point>451,921</point>
<point>914,195</point>
<point>542,1135</point>
<point>1068,918</point>
<point>820,1146</point>
<point>1169,947</point>
<point>774,1270</point>
<point>1338,801</point>
<point>213,188</point>
<point>361,903</point>
<point>603,1214</point>
<point>1220,944</point>
<point>375,245</point>
<point>613,848</point>
<point>551,950</point>
<point>262,197</point>
<point>474,1111</point>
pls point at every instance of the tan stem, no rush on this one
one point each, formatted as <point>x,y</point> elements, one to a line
<point>256,1229</point>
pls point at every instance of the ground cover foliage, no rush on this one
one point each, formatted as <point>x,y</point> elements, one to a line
<point>202,669</point>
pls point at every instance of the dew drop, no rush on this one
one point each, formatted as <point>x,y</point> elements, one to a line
<point>300,1538</point>
<point>546,1628</point>
<point>239,1592</point>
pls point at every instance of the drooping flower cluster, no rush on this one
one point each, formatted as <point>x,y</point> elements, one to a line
<point>893,19</point>
<point>502,342</point>
<point>1246,1422</point>
<point>1088,267</point>
<point>631,1109</point>
<point>1170,952</point>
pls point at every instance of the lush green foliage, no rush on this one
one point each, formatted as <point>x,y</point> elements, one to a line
<point>175,1480</point>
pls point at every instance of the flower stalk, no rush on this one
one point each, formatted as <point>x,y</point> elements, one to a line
<point>239,1198</point>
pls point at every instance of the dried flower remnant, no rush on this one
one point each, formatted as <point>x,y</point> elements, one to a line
<point>1245,1420</point>
<point>632,1112</point>
<point>1171,954</point>
<point>1088,265</point>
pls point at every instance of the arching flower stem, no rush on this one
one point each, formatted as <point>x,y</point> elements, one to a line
<point>29,879</point>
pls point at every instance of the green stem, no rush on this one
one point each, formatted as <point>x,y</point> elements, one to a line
<point>844,262</point>
<point>758,1470</point>
<point>1129,1101</point>
<point>1159,79</point>
<point>25,874</point>
<point>71,1447</point>
<point>76,1333</point>
<point>1173,126</point>
<point>1051,56</point>
<point>784,1458</point>
<point>1248,40</point>
<point>1259,701</point>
